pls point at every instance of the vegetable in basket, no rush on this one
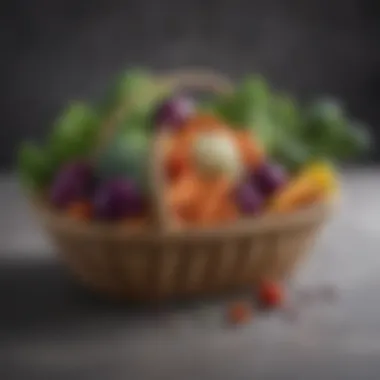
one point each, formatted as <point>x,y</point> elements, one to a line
<point>174,112</point>
<point>126,156</point>
<point>249,199</point>
<point>34,166</point>
<point>135,89</point>
<point>73,183</point>
<point>118,199</point>
<point>74,133</point>
<point>253,151</point>
<point>291,134</point>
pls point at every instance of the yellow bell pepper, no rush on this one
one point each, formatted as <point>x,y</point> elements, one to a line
<point>316,182</point>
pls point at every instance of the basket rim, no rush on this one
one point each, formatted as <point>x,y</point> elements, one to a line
<point>248,226</point>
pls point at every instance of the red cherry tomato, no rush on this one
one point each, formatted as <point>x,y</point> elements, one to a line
<point>239,313</point>
<point>271,294</point>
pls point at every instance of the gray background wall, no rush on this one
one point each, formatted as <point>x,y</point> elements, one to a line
<point>56,50</point>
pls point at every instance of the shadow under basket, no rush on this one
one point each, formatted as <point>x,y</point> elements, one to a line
<point>157,265</point>
<point>163,262</point>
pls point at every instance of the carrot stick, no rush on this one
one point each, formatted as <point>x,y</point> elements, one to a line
<point>212,199</point>
<point>315,183</point>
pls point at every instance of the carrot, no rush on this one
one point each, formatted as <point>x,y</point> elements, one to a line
<point>251,151</point>
<point>176,163</point>
<point>183,191</point>
<point>297,194</point>
<point>80,210</point>
<point>315,183</point>
<point>227,212</point>
<point>211,198</point>
<point>187,213</point>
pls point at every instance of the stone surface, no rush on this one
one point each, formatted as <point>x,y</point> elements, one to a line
<point>49,328</point>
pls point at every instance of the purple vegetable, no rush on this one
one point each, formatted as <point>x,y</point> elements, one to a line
<point>269,178</point>
<point>74,182</point>
<point>117,199</point>
<point>248,198</point>
<point>174,112</point>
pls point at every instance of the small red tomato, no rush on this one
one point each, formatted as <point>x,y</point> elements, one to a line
<point>239,313</point>
<point>271,294</point>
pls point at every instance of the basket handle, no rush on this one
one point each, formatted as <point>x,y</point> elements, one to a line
<point>189,80</point>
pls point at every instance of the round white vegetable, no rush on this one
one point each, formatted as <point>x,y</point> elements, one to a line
<point>215,153</point>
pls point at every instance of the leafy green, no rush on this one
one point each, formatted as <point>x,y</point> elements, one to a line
<point>74,133</point>
<point>285,114</point>
<point>136,89</point>
<point>289,133</point>
<point>355,140</point>
<point>34,167</point>
<point>331,133</point>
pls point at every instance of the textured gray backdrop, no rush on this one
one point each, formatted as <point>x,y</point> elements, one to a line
<point>56,50</point>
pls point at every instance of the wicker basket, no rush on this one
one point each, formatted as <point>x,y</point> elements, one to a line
<point>165,262</point>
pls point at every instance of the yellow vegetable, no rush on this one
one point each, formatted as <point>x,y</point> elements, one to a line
<point>316,182</point>
<point>324,175</point>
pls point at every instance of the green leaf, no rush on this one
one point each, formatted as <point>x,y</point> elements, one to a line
<point>34,168</point>
<point>137,89</point>
<point>251,102</point>
<point>136,121</point>
<point>292,152</point>
<point>325,127</point>
<point>74,133</point>
<point>331,134</point>
<point>285,114</point>
<point>356,140</point>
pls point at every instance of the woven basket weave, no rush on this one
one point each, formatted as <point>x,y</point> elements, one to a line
<point>163,261</point>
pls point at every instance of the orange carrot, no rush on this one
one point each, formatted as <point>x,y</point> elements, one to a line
<point>176,164</point>
<point>211,199</point>
<point>81,210</point>
<point>228,211</point>
<point>299,193</point>
<point>183,191</point>
<point>251,151</point>
<point>316,182</point>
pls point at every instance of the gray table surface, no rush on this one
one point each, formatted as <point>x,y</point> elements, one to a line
<point>50,329</point>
